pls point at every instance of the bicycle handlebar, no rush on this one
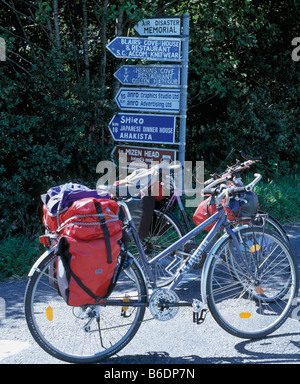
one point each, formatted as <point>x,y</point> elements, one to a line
<point>238,167</point>
<point>232,190</point>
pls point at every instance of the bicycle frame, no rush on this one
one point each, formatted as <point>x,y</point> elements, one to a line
<point>221,221</point>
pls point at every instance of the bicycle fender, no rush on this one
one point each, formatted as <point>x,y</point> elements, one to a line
<point>212,254</point>
<point>39,260</point>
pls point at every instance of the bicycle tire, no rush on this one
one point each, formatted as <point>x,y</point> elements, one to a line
<point>245,308</point>
<point>64,333</point>
<point>165,229</point>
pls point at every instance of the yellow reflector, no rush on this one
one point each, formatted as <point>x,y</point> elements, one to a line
<point>254,248</point>
<point>245,315</point>
<point>125,300</point>
<point>49,313</point>
<point>259,290</point>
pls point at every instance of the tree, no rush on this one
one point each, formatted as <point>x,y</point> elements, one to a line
<point>58,85</point>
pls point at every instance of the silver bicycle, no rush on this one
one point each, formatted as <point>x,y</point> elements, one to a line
<point>249,291</point>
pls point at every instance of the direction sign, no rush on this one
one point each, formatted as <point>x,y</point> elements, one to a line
<point>143,156</point>
<point>143,128</point>
<point>152,48</point>
<point>151,75</point>
<point>168,26</point>
<point>149,100</point>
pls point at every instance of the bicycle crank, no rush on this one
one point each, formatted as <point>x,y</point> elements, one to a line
<point>164,304</point>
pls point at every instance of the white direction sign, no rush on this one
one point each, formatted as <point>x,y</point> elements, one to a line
<point>149,100</point>
<point>151,48</point>
<point>168,26</point>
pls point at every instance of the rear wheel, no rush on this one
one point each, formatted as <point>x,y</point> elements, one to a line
<point>86,334</point>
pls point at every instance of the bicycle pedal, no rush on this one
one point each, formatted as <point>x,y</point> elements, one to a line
<point>199,317</point>
<point>199,313</point>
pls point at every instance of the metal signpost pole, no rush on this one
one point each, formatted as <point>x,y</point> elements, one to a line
<point>184,86</point>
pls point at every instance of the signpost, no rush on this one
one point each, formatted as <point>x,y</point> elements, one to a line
<point>145,155</point>
<point>166,26</point>
<point>153,48</point>
<point>149,100</point>
<point>149,75</point>
<point>165,92</point>
<point>143,128</point>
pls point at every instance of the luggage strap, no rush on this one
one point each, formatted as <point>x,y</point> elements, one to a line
<point>105,231</point>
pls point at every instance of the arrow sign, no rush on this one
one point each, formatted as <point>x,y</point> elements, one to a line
<point>151,75</point>
<point>159,27</point>
<point>143,128</point>
<point>149,100</point>
<point>153,48</point>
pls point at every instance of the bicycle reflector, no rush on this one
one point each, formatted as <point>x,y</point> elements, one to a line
<point>245,315</point>
<point>254,248</point>
<point>49,313</point>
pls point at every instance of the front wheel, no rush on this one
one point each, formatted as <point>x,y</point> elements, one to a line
<point>86,334</point>
<point>252,296</point>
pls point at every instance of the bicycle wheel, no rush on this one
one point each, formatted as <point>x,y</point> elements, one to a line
<point>164,231</point>
<point>86,334</point>
<point>252,298</point>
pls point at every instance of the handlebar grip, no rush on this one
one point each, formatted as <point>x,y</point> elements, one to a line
<point>250,157</point>
<point>234,190</point>
<point>209,191</point>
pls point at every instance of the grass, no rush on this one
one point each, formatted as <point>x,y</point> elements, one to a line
<point>281,198</point>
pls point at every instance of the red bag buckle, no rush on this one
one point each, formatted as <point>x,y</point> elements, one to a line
<point>45,240</point>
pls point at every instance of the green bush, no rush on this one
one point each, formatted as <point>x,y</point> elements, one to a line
<point>17,255</point>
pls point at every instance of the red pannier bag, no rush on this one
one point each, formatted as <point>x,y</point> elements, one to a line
<point>239,211</point>
<point>205,209</point>
<point>81,219</point>
<point>88,251</point>
<point>86,270</point>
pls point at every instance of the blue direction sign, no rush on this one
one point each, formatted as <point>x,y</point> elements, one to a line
<point>143,128</point>
<point>151,75</point>
<point>149,100</point>
<point>152,48</point>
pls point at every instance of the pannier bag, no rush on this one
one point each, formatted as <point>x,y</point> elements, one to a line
<point>58,200</point>
<point>237,210</point>
<point>88,251</point>
<point>89,231</point>
<point>86,270</point>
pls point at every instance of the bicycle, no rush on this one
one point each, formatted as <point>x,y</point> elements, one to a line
<point>166,228</point>
<point>250,295</point>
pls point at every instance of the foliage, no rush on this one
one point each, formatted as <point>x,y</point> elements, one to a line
<point>57,89</point>
<point>17,254</point>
